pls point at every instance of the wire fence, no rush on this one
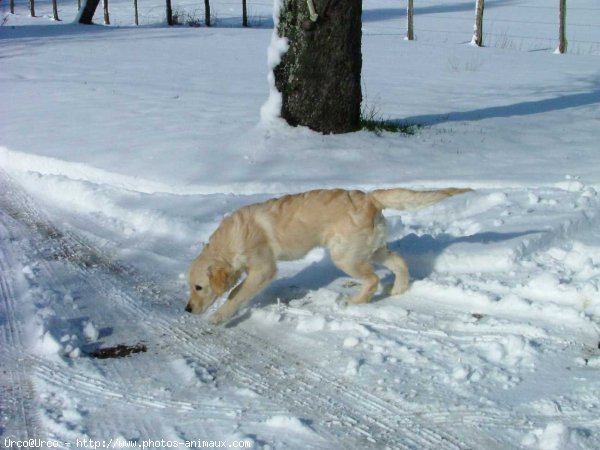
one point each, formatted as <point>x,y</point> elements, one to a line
<point>526,25</point>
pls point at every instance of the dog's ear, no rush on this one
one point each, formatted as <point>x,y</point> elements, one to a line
<point>219,276</point>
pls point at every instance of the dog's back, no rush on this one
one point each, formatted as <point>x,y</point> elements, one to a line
<point>295,224</point>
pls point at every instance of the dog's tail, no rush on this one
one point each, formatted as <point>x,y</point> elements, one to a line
<point>409,199</point>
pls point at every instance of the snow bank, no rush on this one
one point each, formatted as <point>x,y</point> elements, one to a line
<point>15,161</point>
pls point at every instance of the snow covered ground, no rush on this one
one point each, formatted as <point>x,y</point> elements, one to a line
<point>122,148</point>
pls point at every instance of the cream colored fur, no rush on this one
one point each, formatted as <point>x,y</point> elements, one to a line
<point>347,223</point>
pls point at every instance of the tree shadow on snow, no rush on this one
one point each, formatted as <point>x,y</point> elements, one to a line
<point>42,31</point>
<point>515,110</point>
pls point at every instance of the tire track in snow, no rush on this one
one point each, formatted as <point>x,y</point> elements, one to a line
<point>349,411</point>
<point>17,420</point>
<point>341,411</point>
<point>105,388</point>
<point>53,252</point>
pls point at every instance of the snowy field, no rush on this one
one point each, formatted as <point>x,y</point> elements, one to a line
<point>122,148</point>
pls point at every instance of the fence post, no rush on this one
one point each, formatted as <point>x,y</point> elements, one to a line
<point>410,33</point>
<point>106,16</point>
<point>478,29</point>
<point>55,10</point>
<point>32,8</point>
<point>244,13</point>
<point>169,13</point>
<point>562,30</point>
<point>207,13</point>
<point>135,7</point>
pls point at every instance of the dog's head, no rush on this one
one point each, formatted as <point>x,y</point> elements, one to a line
<point>207,281</point>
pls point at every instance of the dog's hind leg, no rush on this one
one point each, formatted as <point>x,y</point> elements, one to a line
<point>256,281</point>
<point>396,264</point>
<point>362,270</point>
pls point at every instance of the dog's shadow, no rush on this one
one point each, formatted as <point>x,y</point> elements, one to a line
<point>422,252</point>
<point>419,252</point>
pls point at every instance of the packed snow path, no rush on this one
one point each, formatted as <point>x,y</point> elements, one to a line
<point>338,410</point>
<point>422,379</point>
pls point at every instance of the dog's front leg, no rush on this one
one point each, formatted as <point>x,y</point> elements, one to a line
<point>255,282</point>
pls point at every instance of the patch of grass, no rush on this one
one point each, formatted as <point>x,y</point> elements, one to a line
<point>371,120</point>
<point>184,17</point>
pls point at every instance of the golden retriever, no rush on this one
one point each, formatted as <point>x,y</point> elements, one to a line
<point>347,223</point>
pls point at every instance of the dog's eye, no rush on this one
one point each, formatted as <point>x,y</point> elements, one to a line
<point>198,287</point>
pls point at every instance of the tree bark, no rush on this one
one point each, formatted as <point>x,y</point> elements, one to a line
<point>87,14</point>
<point>319,75</point>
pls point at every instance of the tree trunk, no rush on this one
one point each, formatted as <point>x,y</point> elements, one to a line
<point>87,13</point>
<point>478,32</point>
<point>319,76</point>
<point>562,32</point>
<point>12,6</point>
<point>207,13</point>
<point>244,13</point>
<point>32,8</point>
<point>410,32</point>
<point>169,13</point>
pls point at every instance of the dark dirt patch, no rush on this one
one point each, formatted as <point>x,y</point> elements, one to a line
<point>118,351</point>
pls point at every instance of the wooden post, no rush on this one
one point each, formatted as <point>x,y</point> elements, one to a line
<point>12,6</point>
<point>106,16</point>
<point>244,13</point>
<point>32,8</point>
<point>562,31</point>
<point>169,13</point>
<point>478,29</point>
<point>55,10</point>
<point>207,13</point>
<point>135,7</point>
<point>410,33</point>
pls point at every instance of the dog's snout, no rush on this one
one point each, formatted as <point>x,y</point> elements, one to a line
<point>188,308</point>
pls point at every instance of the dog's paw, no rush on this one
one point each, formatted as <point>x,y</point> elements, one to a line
<point>216,319</point>
<point>399,289</point>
